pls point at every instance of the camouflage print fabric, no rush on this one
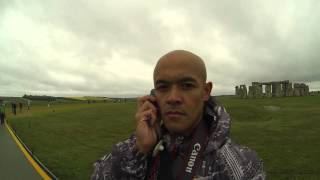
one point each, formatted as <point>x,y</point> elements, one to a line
<point>222,159</point>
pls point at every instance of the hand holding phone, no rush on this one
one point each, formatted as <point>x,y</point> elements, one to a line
<point>146,119</point>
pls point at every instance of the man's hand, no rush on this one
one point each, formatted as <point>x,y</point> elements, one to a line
<point>146,124</point>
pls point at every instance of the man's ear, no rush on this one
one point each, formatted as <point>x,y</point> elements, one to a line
<point>207,91</point>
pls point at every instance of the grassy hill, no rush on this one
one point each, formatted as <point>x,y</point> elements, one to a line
<point>69,137</point>
<point>89,98</point>
<point>13,99</point>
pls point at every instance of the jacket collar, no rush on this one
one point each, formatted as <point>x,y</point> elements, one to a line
<point>219,125</point>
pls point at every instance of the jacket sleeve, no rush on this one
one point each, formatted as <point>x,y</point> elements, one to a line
<point>241,163</point>
<point>124,162</point>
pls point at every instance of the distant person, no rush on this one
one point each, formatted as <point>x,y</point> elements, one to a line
<point>14,108</point>
<point>181,132</point>
<point>2,112</point>
<point>20,106</point>
<point>28,103</point>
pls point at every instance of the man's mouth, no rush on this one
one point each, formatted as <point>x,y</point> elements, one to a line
<point>174,114</point>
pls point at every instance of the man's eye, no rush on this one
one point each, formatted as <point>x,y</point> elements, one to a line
<point>187,86</point>
<point>161,87</point>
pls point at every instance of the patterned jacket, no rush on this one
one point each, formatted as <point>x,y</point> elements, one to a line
<point>222,159</point>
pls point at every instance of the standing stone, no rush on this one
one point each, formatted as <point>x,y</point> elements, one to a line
<point>257,89</point>
<point>250,94</point>
<point>259,93</point>
<point>302,89</point>
<point>243,89</point>
<point>284,88</point>
<point>276,89</point>
<point>260,90</point>
<point>296,90</point>
<point>237,91</point>
<point>289,89</point>
<point>307,90</point>
<point>268,90</point>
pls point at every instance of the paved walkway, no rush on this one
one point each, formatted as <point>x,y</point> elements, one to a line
<point>13,163</point>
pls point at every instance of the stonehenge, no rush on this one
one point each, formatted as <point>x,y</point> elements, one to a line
<point>241,91</point>
<point>272,89</point>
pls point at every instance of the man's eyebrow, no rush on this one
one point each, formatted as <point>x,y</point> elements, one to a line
<point>187,79</point>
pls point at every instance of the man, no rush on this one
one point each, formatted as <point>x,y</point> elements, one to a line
<point>2,112</point>
<point>14,108</point>
<point>28,103</point>
<point>181,133</point>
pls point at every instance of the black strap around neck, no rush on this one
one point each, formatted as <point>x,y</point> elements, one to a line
<point>185,167</point>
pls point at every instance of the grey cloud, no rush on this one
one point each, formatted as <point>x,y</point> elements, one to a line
<point>104,27</point>
<point>252,35</point>
<point>241,42</point>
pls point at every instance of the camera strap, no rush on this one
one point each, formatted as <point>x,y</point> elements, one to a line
<point>194,154</point>
<point>183,166</point>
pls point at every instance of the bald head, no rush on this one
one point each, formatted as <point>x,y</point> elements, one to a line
<point>182,58</point>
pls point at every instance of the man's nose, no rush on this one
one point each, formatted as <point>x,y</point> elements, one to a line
<point>174,96</point>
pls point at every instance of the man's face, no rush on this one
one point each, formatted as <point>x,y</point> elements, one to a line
<point>180,94</point>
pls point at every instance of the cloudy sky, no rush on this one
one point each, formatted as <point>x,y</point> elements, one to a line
<point>110,47</point>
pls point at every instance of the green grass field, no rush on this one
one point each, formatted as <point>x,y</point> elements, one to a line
<point>69,137</point>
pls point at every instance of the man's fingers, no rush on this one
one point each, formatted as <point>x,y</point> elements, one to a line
<point>148,117</point>
<point>143,99</point>
<point>146,106</point>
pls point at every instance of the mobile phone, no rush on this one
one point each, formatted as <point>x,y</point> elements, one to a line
<point>153,93</point>
<point>159,146</point>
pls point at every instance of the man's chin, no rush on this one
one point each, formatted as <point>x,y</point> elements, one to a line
<point>175,128</point>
